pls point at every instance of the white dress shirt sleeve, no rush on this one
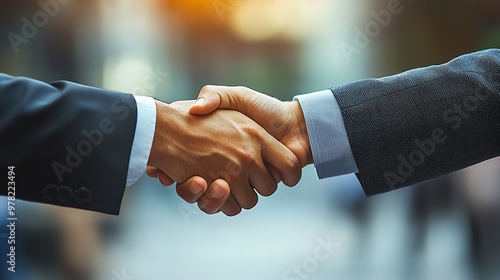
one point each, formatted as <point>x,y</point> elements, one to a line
<point>332,153</point>
<point>143,138</point>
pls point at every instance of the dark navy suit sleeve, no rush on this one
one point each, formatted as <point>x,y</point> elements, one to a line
<point>68,144</point>
<point>423,123</point>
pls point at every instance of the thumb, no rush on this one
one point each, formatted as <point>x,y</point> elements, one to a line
<point>207,102</point>
<point>220,97</point>
<point>263,109</point>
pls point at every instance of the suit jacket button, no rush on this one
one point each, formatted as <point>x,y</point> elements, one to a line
<point>83,195</point>
<point>65,194</point>
<point>50,192</point>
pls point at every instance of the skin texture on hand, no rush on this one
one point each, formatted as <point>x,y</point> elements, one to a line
<point>283,120</point>
<point>223,145</point>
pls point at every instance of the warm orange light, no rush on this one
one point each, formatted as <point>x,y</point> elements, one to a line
<point>259,20</point>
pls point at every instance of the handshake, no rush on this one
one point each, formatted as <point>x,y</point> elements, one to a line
<point>233,141</point>
<point>226,146</point>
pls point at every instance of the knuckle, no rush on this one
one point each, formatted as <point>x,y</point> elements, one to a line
<point>242,90</point>
<point>253,132</point>
<point>207,88</point>
<point>291,171</point>
<point>245,90</point>
<point>293,163</point>
<point>249,156</point>
<point>239,93</point>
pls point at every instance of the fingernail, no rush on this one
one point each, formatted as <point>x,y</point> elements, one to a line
<point>199,102</point>
<point>217,192</point>
<point>194,188</point>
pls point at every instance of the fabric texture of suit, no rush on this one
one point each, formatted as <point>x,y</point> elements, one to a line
<point>423,123</point>
<point>70,144</point>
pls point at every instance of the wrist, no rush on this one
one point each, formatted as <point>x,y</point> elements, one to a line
<point>302,133</point>
<point>161,134</point>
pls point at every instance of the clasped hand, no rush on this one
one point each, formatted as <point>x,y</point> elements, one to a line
<point>228,144</point>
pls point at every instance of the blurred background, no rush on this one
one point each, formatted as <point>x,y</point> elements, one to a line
<point>443,229</point>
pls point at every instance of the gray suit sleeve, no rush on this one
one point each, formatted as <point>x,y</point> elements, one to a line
<point>424,123</point>
<point>68,144</point>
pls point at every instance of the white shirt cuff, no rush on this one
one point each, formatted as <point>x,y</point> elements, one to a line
<point>143,138</point>
<point>330,145</point>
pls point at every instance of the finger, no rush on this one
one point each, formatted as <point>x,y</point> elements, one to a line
<point>151,171</point>
<point>279,156</point>
<point>261,179</point>
<point>265,110</point>
<point>192,189</point>
<point>207,102</point>
<point>244,193</point>
<point>275,172</point>
<point>164,179</point>
<point>242,99</point>
<point>215,197</point>
<point>231,207</point>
